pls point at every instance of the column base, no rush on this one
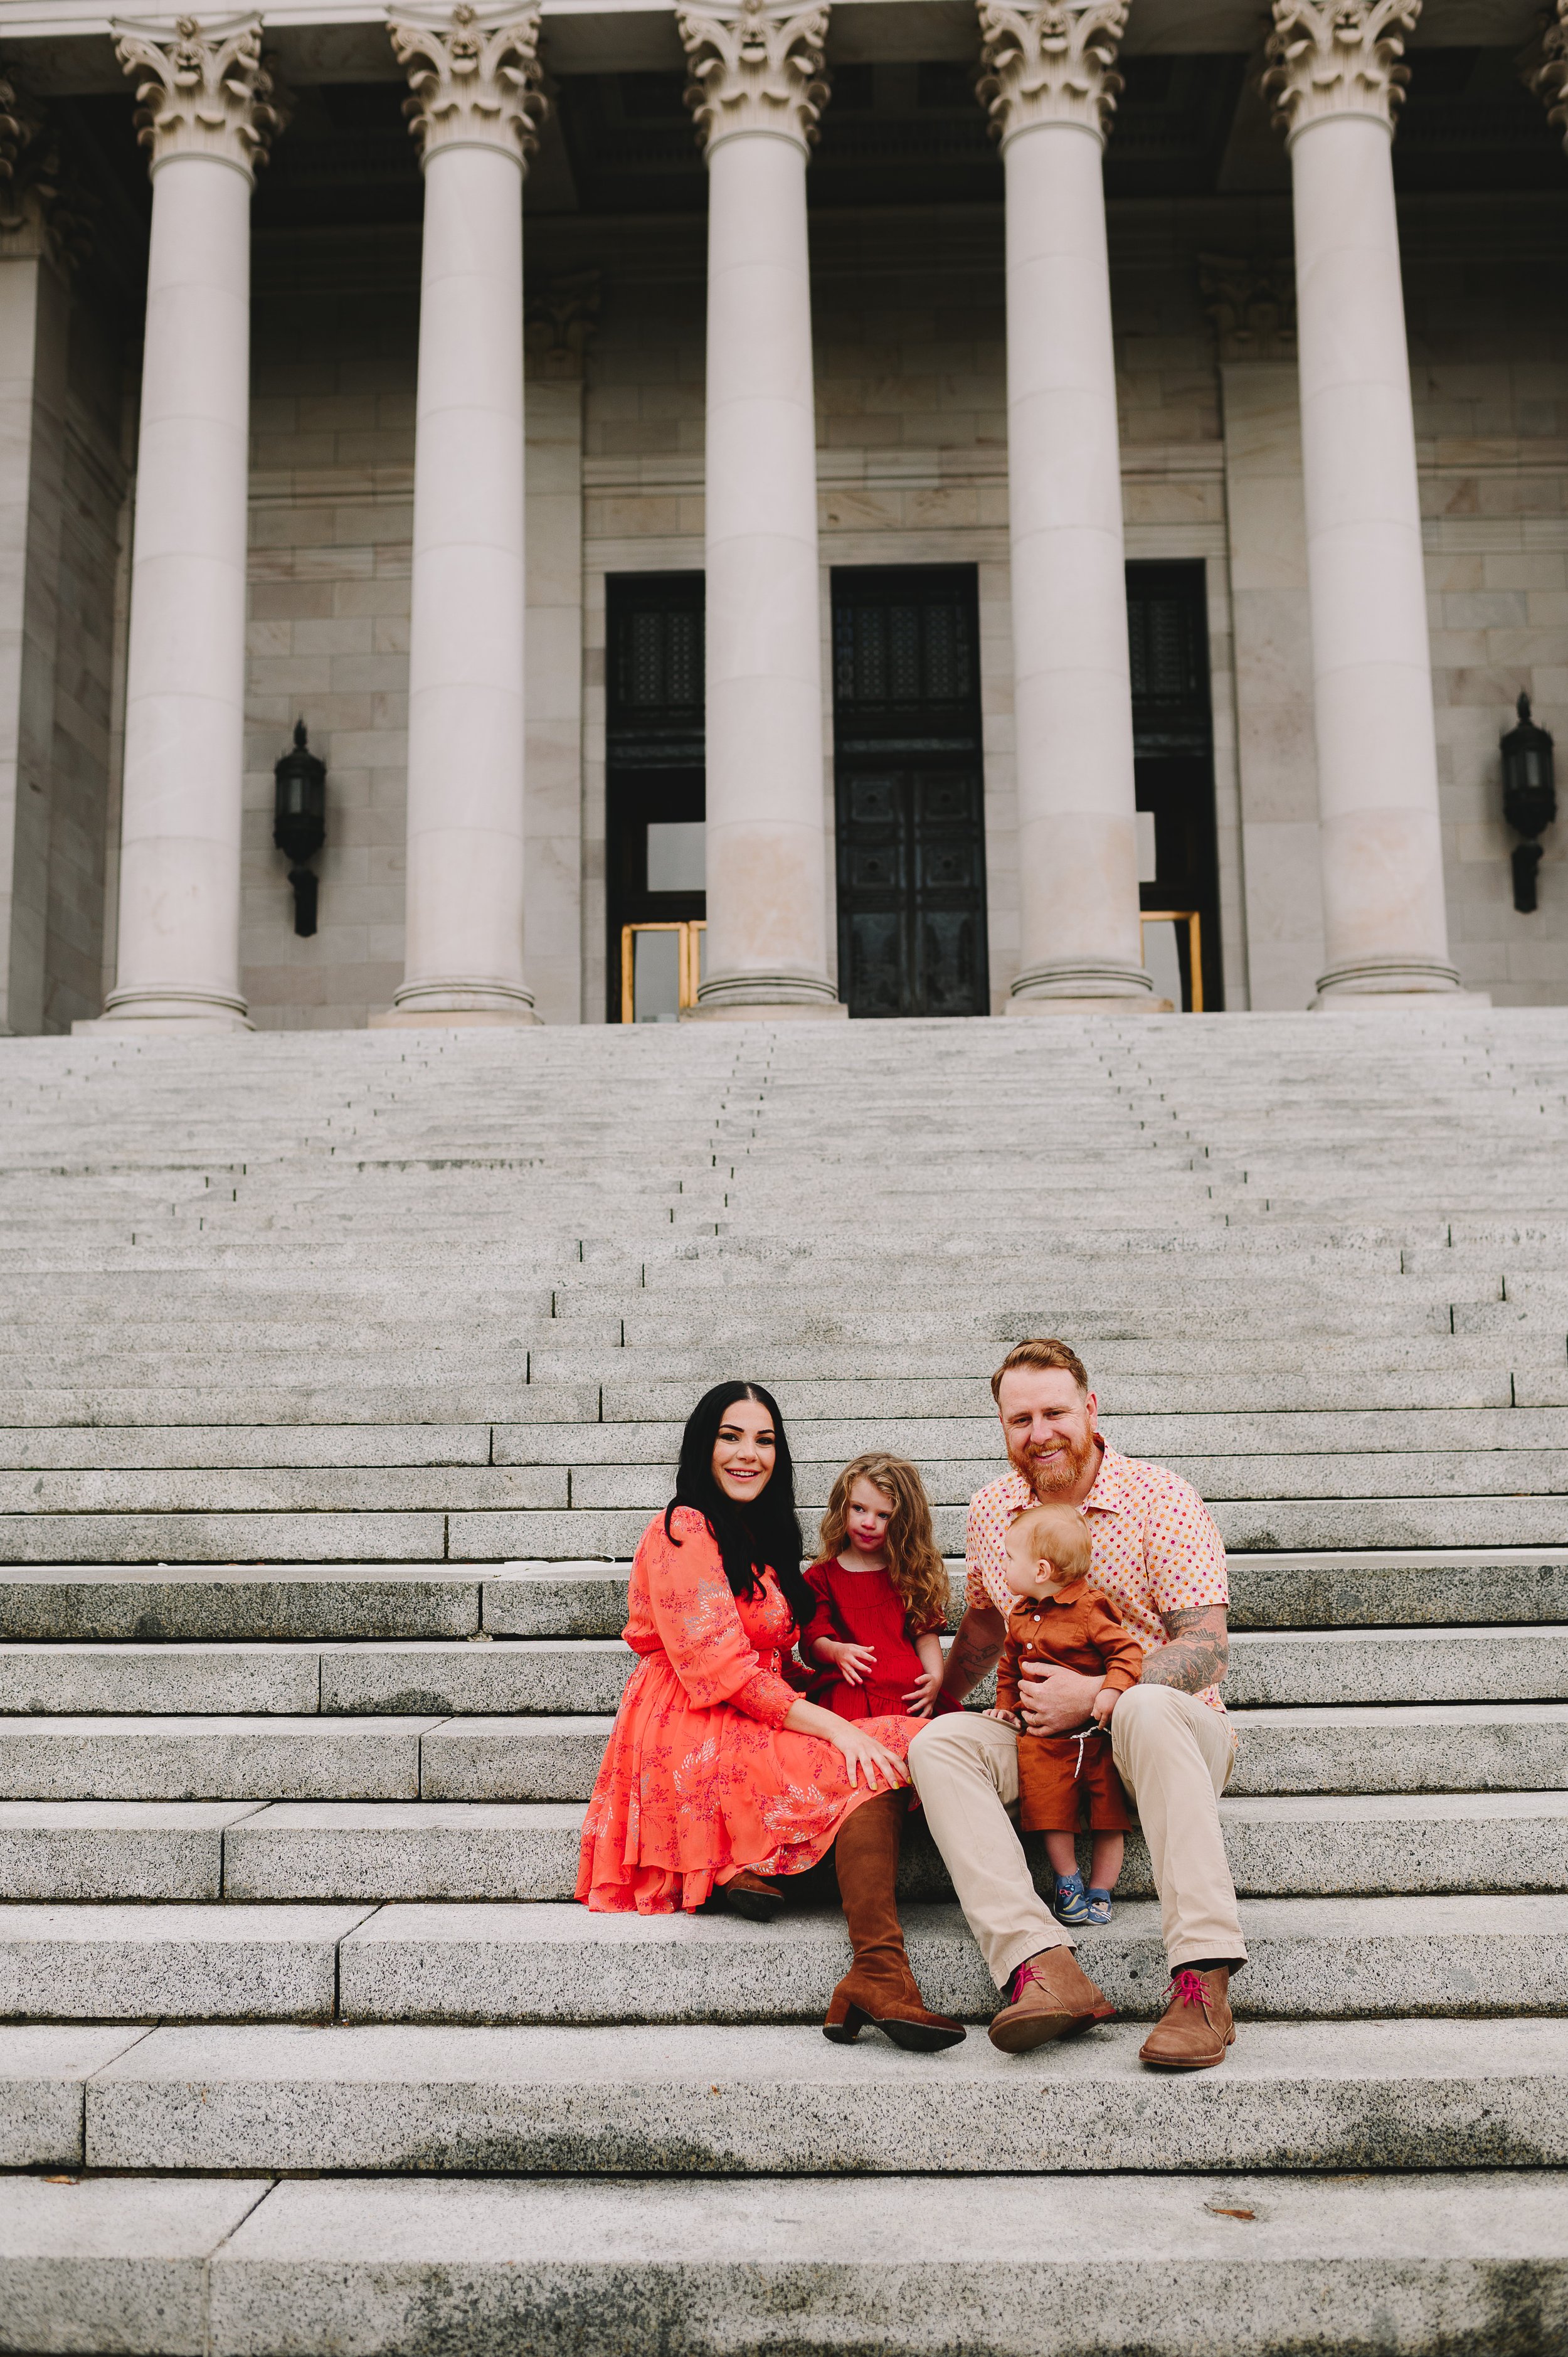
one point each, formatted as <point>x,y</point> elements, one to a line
<point>163,1011</point>
<point>1085,987</point>
<point>765,998</point>
<point>456,1005</point>
<point>1363,984</point>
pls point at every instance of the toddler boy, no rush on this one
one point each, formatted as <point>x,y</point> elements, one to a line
<point>1057,1622</point>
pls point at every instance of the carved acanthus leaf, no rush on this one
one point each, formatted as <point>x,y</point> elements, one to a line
<point>1251,303</point>
<point>42,208</point>
<point>1337,57</point>
<point>476,79</point>
<point>1550,78</point>
<point>1053,63</point>
<point>755,67</point>
<point>204,90</point>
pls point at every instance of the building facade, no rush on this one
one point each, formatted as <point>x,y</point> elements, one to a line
<point>893,507</point>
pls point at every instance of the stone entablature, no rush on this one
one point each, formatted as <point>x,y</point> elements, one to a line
<point>755,67</point>
<point>1337,57</point>
<point>1050,64</point>
<point>42,211</point>
<point>476,83</point>
<point>203,90</point>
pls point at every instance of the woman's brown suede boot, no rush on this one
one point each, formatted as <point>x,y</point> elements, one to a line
<point>879,1987</point>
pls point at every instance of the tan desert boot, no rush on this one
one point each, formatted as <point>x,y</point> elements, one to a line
<point>1196,2026</point>
<point>1052,1997</point>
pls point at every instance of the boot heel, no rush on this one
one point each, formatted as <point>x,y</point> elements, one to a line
<point>844,2032</point>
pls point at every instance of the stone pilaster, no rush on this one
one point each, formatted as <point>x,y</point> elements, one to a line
<point>207,111</point>
<point>756,93</point>
<point>475,107</point>
<point>1335,82</point>
<point>1049,85</point>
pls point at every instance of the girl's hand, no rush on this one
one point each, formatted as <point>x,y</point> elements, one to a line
<point>883,1768</point>
<point>921,1697</point>
<point>1008,1718</point>
<point>855,1663</point>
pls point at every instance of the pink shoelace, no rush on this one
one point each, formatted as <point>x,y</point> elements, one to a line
<point>1188,1987</point>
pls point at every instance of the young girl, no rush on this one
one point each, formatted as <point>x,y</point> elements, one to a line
<point>882,1596</point>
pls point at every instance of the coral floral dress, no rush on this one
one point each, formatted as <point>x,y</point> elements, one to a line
<point>700,1772</point>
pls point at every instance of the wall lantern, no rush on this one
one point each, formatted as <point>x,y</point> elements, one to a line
<point>1529,797</point>
<point>300,822</point>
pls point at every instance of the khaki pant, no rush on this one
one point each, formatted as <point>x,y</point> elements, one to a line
<point>1173,1755</point>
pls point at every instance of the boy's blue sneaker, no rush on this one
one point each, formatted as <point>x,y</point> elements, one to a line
<point>1069,1905</point>
<point>1098,1904</point>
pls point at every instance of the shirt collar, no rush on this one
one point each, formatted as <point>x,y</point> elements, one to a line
<point>1108,1494</point>
<point>1067,1595</point>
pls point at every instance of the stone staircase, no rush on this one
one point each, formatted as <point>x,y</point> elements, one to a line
<point>343,1374</point>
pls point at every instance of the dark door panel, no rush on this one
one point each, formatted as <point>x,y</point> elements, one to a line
<point>910,792</point>
<point>1174,747</point>
<point>654,773</point>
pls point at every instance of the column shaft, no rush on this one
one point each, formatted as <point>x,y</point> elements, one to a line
<point>184,680</point>
<point>1078,861</point>
<point>465,660</point>
<point>1386,924</point>
<point>765,853</point>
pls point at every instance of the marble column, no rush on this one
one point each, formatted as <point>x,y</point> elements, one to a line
<point>206,111</point>
<point>1050,88</point>
<point>756,93</point>
<point>36,250</point>
<point>1335,82</point>
<point>476,107</point>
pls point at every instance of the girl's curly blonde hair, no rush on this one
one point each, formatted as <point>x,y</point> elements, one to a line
<point>914,1563</point>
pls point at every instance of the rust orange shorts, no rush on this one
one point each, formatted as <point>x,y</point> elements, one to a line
<point>1064,1784</point>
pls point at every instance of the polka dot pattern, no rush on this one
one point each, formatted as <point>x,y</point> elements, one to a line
<point>1156,1548</point>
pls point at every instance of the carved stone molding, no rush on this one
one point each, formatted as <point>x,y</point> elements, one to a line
<point>1251,304</point>
<point>1053,63</point>
<point>476,78</point>
<point>1337,57</point>
<point>42,210</point>
<point>561,315</point>
<point>756,67</point>
<point>204,88</point>
<point>1550,77</point>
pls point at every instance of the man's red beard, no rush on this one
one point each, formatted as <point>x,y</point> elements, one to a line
<point>1063,1468</point>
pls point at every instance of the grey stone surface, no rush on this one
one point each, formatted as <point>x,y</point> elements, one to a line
<point>145,1964</point>
<point>512,1760</point>
<point>113,2265</point>
<point>564,1599</point>
<point>1170,2264</point>
<point>212,1758</point>
<point>115,1849</point>
<point>42,2071</point>
<point>1356,1665</point>
<point>396,1849</point>
<point>1354,1587</point>
<point>764,2102</point>
<point>1405,1747</point>
<point>545,1675</point>
<point>67,1539</point>
<point>1342,1957</point>
<point>219,1603</point>
<point>183,1679</point>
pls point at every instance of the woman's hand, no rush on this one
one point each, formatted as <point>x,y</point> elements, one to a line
<point>855,1663</point>
<point>884,1769</point>
<point>921,1697</point>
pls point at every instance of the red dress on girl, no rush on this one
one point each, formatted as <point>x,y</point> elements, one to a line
<point>700,1772</point>
<point>863,1607</point>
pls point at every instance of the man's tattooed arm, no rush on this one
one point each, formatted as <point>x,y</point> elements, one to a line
<point>1198,1653</point>
<point>976,1650</point>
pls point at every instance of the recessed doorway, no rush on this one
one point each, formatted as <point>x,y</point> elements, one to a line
<point>909,790</point>
<point>1173,744</point>
<point>654,800</point>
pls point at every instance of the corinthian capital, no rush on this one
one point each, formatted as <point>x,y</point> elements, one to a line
<point>1053,63</point>
<point>754,66</point>
<point>204,91</point>
<point>1549,79</point>
<point>476,78</point>
<point>1337,57</point>
<point>42,211</point>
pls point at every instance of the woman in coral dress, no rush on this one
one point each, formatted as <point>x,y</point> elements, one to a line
<point>717,1773</point>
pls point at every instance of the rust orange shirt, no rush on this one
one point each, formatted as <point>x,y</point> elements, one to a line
<point>1074,1628</point>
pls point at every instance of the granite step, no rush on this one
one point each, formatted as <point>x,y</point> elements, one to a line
<point>1339,1844</point>
<point>1166,2263</point>
<point>494,1963</point>
<point>781,2101</point>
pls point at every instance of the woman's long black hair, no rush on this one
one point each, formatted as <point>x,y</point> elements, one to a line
<point>768,1532</point>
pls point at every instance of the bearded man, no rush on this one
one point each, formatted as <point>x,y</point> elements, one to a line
<point>1160,1563</point>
